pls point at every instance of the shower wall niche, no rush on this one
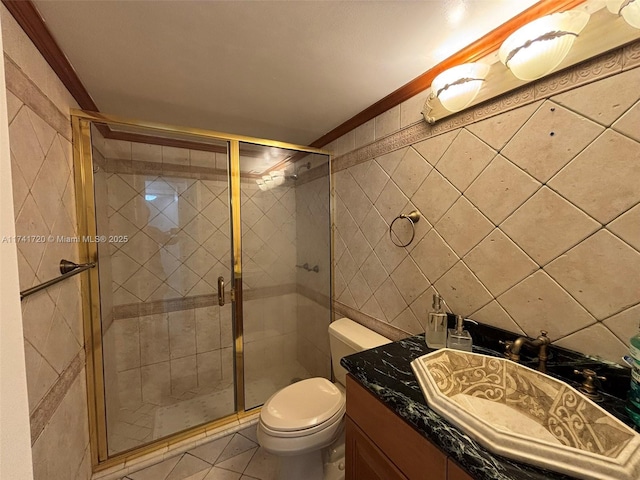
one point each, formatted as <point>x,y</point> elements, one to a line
<point>169,351</point>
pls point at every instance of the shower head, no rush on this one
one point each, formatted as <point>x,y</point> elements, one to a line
<point>294,176</point>
<point>278,177</point>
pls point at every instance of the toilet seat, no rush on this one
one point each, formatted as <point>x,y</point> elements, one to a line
<point>336,419</point>
<point>303,408</point>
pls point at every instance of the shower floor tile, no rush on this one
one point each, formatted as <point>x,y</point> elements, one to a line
<point>234,457</point>
<point>145,423</point>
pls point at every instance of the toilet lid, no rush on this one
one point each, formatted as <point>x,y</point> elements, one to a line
<point>302,405</point>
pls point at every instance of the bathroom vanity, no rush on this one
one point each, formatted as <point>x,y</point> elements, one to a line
<point>393,434</point>
<point>380,445</point>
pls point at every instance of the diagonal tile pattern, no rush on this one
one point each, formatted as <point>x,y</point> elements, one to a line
<point>602,184</point>
<point>546,225</point>
<point>499,263</point>
<point>178,228</point>
<point>549,140</point>
<point>465,159</point>
<point>236,456</point>
<point>45,208</point>
<point>178,244</point>
<point>532,221</point>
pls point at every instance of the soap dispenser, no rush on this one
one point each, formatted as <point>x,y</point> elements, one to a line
<point>458,337</point>
<point>436,330</point>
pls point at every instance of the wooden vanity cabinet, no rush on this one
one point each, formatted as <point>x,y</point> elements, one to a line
<point>380,445</point>
<point>365,460</point>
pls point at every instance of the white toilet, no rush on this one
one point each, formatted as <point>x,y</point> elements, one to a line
<point>303,423</point>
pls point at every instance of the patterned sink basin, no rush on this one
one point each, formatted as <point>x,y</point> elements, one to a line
<point>526,415</point>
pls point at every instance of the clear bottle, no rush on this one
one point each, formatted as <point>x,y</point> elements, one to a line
<point>458,337</point>
<point>633,405</point>
<point>435,332</point>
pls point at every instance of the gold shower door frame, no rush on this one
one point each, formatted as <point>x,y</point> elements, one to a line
<point>88,252</point>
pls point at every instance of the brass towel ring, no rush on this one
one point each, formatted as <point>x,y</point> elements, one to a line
<point>413,217</point>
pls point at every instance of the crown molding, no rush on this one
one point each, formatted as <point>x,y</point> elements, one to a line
<point>28,17</point>
<point>480,48</point>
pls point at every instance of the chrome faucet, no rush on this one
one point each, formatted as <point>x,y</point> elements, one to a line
<point>512,349</point>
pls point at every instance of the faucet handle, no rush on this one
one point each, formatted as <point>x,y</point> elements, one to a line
<point>507,346</point>
<point>589,374</point>
<point>543,337</point>
<point>589,387</point>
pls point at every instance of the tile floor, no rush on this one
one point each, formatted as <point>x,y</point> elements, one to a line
<point>234,457</point>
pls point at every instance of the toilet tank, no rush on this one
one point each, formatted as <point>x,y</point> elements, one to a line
<point>347,337</point>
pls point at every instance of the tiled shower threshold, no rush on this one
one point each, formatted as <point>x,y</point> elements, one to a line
<point>132,465</point>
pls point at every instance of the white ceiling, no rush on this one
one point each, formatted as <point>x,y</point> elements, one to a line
<point>283,70</point>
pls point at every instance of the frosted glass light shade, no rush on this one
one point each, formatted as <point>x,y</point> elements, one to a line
<point>457,87</point>
<point>261,185</point>
<point>536,49</point>
<point>630,10</point>
<point>278,177</point>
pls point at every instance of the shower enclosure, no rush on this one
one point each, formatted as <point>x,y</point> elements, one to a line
<point>212,287</point>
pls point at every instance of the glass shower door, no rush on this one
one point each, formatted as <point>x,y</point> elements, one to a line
<point>168,347</point>
<point>286,307</point>
<point>176,213</point>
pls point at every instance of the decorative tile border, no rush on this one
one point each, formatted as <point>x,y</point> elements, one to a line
<point>29,94</point>
<point>597,68</point>
<point>319,298</point>
<point>378,326</point>
<point>54,397</point>
<point>522,96</point>
<point>199,301</point>
<point>138,167</point>
<point>631,56</point>
<point>321,171</point>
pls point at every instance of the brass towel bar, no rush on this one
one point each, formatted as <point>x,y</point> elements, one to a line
<point>67,269</point>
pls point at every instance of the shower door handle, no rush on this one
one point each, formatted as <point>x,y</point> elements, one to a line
<point>221,291</point>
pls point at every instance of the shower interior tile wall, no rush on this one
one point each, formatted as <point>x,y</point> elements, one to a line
<point>178,244</point>
<point>44,205</point>
<point>314,248</point>
<point>178,237</point>
<point>530,221</point>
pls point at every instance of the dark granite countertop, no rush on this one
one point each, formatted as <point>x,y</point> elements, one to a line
<point>386,372</point>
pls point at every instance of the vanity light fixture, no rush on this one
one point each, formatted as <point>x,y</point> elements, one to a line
<point>457,87</point>
<point>628,9</point>
<point>268,182</point>
<point>278,177</point>
<point>273,179</point>
<point>535,49</point>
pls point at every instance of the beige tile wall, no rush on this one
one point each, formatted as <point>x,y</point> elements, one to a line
<point>178,228</point>
<point>163,358</point>
<point>530,217</point>
<point>270,337</point>
<point>44,202</point>
<point>314,247</point>
<point>178,244</point>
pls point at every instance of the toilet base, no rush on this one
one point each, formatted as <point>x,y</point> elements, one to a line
<point>334,470</point>
<point>325,464</point>
<point>334,459</point>
<point>308,466</point>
